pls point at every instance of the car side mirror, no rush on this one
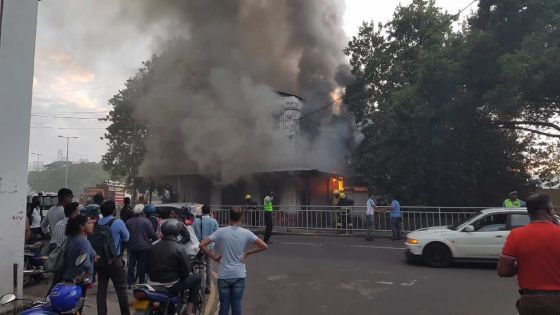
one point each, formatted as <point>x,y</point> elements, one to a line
<point>8,298</point>
<point>469,228</point>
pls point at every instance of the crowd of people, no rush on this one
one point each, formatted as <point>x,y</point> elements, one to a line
<point>140,246</point>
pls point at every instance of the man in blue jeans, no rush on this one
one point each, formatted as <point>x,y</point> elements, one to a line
<point>232,244</point>
<point>395,218</point>
<point>203,228</point>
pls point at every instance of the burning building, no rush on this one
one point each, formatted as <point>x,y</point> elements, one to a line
<point>295,178</point>
<point>216,129</point>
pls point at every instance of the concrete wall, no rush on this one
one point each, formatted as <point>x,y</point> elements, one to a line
<point>17,50</point>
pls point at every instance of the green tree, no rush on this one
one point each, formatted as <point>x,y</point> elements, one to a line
<point>125,135</point>
<point>426,140</point>
<point>513,62</point>
<point>80,175</point>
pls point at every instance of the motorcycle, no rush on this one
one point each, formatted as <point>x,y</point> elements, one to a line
<point>33,264</point>
<point>157,300</point>
<point>64,298</point>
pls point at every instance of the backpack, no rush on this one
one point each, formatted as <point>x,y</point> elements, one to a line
<point>156,224</point>
<point>55,262</point>
<point>103,243</point>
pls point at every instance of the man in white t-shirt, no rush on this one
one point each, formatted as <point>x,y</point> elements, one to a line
<point>369,216</point>
<point>231,251</point>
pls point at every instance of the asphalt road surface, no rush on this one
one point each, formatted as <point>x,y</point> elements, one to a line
<point>333,275</point>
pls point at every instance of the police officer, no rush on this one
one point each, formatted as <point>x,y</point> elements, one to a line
<point>512,201</point>
<point>268,216</point>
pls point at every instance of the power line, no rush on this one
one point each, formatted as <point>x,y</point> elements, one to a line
<point>65,117</point>
<point>463,9</point>
<point>66,128</point>
<point>451,19</point>
<point>69,112</point>
<point>75,90</point>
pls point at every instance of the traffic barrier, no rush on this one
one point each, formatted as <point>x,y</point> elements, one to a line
<point>324,218</point>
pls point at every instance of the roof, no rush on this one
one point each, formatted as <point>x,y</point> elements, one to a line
<point>288,95</point>
<point>501,210</point>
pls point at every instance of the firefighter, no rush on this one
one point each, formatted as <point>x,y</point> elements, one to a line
<point>251,210</point>
<point>336,197</point>
<point>344,214</point>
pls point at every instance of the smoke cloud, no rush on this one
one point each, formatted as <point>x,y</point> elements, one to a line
<point>212,107</point>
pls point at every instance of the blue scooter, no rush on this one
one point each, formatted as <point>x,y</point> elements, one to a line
<point>155,300</point>
<point>63,299</point>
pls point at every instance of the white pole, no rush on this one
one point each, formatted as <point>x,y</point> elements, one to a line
<point>67,147</point>
<point>18,23</point>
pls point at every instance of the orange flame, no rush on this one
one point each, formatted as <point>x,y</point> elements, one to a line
<point>336,98</point>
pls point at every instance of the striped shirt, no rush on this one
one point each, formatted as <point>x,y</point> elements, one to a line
<point>58,235</point>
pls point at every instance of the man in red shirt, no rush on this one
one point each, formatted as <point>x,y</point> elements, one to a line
<point>533,253</point>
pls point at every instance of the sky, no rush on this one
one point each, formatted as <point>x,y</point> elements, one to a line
<point>84,55</point>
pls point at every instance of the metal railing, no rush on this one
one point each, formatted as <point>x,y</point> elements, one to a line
<point>324,218</point>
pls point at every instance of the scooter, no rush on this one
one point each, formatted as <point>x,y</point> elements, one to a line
<point>34,262</point>
<point>155,300</point>
<point>63,299</point>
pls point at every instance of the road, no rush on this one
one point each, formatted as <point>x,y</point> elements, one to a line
<point>335,275</point>
<point>332,275</point>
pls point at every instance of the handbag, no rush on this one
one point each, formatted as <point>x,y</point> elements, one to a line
<point>55,262</point>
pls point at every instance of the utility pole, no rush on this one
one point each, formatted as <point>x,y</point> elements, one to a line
<point>38,160</point>
<point>18,23</point>
<point>67,147</point>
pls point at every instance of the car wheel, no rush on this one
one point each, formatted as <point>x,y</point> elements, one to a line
<point>437,255</point>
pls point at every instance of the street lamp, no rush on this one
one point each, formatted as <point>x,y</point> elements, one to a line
<point>67,146</point>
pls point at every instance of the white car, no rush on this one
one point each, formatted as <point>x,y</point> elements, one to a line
<point>479,238</point>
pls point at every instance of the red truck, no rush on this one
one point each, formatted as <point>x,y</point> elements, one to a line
<point>111,191</point>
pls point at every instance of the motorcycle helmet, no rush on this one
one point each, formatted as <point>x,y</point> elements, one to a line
<point>65,297</point>
<point>171,227</point>
<point>149,209</point>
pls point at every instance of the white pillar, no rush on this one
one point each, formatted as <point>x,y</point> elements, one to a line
<point>18,23</point>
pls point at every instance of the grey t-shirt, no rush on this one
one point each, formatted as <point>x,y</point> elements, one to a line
<point>231,243</point>
<point>55,214</point>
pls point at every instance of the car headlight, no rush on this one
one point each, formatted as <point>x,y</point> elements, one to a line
<point>412,241</point>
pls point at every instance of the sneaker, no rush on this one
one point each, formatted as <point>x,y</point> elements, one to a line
<point>207,291</point>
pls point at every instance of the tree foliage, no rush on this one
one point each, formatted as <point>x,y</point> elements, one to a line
<point>125,135</point>
<point>513,63</point>
<point>427,138</point>
<point>80,175</point>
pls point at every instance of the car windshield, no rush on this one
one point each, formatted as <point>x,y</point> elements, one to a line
<point>467,218</point>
